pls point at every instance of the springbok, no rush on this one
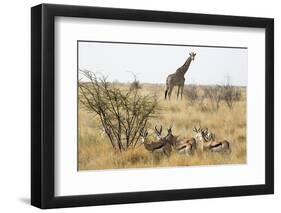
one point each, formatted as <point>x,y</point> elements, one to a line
<point>181,146</point>
<point>162,146</point>
<point>207,141</point>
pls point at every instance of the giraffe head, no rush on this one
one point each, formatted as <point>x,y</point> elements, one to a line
<point>192,55</point>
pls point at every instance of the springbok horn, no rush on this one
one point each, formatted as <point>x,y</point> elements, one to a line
<point>195,129</point>
<point>158,132</point>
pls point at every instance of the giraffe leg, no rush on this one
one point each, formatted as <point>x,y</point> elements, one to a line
<point>170,91</point>
<point>166,92</point>
<point>181,91</point>
<point>178,92</point>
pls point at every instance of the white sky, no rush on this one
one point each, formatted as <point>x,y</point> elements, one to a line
<point>153,63</point>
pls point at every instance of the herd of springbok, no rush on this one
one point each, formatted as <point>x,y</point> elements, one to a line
<point>203,140</point>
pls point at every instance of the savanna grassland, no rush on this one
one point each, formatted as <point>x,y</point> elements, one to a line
<point>95,151</point>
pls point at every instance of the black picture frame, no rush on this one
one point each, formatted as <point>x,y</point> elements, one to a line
<point>43,102</point>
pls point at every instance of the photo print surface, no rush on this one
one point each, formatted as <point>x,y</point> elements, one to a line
<point>160,105</point>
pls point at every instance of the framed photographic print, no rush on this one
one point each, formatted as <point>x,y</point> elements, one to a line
<point>140,106</point>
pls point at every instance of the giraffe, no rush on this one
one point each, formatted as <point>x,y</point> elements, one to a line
<point>177,78</point>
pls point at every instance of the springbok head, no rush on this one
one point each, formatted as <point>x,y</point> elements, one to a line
<point>192,55</point>
<point>143,135</point>
<point>208,136</point>
<point>198,135</point>
<point>170,137</point>
<point>197,130</point>
<point>170,130</point>
<point>203,135</point>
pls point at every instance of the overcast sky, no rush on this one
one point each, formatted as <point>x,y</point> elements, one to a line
<point>153,63</point>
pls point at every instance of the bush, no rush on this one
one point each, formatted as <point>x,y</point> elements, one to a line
<point>214,94</point>
<point>230,95</point>
<point>191,92</point>
<point>123,113</point>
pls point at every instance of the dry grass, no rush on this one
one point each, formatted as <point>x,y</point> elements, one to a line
<point>95,151</point>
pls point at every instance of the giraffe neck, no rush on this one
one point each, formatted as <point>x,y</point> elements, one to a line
<point>183,69</point>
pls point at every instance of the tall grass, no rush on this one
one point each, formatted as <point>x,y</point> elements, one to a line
<point>95,151</point>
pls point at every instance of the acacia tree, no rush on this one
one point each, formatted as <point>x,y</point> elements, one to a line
<point>123,113</point>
